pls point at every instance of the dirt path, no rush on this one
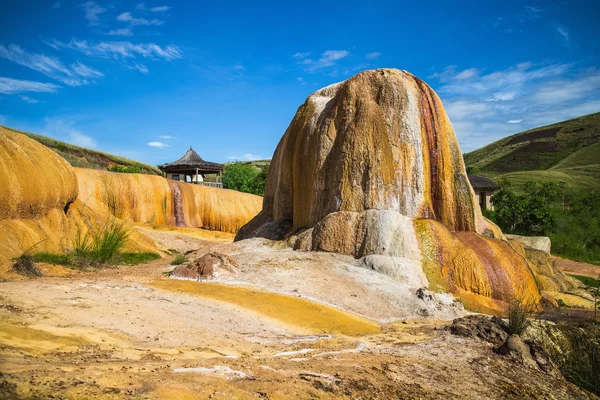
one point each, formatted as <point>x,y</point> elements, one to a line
<point>577,268</point>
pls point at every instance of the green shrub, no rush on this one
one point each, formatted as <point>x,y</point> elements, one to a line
<point>100,246</point>
<point>180,259</point>
<point>245,177</point>
<point>519,312</point>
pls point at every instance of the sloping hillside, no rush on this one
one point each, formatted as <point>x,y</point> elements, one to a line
<point>567,151</point>
<point>86,158</point>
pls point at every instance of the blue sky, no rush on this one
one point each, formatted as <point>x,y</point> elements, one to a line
<point>146,80</point>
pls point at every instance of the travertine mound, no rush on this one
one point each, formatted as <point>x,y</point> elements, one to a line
<point>153,199</point>
<point>378,141</point>
<point>33,179</point>
<point>371,167</point>
<point>45,203</point>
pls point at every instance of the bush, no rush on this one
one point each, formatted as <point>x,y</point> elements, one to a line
<point>180,259</point>
<point>571,221</point>
<point>245,177</point>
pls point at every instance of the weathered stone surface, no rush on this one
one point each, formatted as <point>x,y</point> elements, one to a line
<point>541,243</point>
<point>209,266</point>
<point>371,167</point>
<point>479,326</point>
<point>515,347</point>
<point>378,142</point>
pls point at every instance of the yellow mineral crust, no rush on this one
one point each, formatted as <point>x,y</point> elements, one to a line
<point>33,179</point>
<point>153,199</point>
<point>474,266</point>
<point>371,166</point>
<point>380,140</point>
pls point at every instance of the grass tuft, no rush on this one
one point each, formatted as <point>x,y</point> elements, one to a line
<point>179,259</point>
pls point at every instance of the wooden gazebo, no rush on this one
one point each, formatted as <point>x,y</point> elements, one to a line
<point>192,168</point>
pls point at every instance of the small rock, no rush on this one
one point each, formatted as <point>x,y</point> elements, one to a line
<point>515,347</point>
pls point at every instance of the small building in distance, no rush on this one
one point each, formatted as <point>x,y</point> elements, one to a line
<point>192,168</point>
<point>484,188</point>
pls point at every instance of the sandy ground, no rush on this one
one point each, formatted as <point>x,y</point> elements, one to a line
<point>321,332</point>
<point>578,268</point>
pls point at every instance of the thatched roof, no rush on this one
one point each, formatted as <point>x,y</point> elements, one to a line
<point>482,183</point>
<point>190,162</point>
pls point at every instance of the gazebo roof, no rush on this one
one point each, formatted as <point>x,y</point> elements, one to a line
<point>482,183</point>
<point>190,162</point>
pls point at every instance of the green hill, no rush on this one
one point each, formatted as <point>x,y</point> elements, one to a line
<point>567,151</point>
<point>86,158</point>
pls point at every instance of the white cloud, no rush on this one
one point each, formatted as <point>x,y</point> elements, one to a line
<point>85,71</point>
<point>92,12</point>
<point>484,107</point>
<point>564,33</point>
<point>301,56</point>
<point>49,66</point>
<point>159,145</point>
<point>167,137</point>
<point>467,74</point>
<point>119,50</point>
<point>120,32</point>
<point>160,9</point>
<point>142,68</point>
<point>328,58</point>
<point>28,99</point>
<point>141,6</point>
<point>567,90</point>
<point>373,55</point>
<point>79,139</point>
<point>246,157</point>
<point>238,67</point>
<point>127,17</point>
<point>12,86</point>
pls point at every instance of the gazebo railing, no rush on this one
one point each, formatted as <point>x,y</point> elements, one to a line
<point>211,184</point>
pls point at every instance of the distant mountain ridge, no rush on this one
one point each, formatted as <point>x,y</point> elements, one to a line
<point>567,151</point>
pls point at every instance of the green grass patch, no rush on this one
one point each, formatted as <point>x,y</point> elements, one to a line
<point>137,258</point>
<point>591,282</point>
<point>180,259</point>
<point>52,258</point>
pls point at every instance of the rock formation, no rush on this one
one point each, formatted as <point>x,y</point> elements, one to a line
<point>371,166</point>
<point>153,199</point>
<point>45,202</point>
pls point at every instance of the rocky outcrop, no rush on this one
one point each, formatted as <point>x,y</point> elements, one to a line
<point>208,266</point>
<point>378,141</point>
<point>152,199</point>
<point>45,203</point>
<point>371,167</point>
<point>541,243</point>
